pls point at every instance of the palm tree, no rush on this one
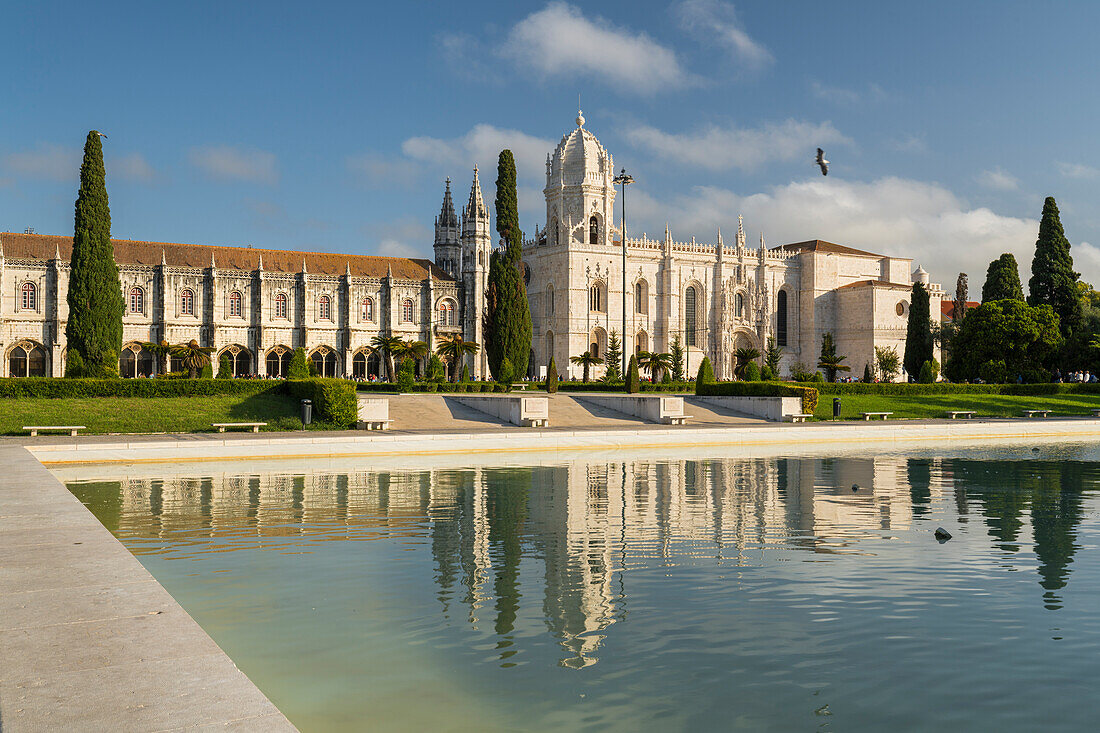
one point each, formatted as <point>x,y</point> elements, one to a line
<point>654,363</point>
<point>744,355</point>
<point>162,351</point>
<point>388,347</point>
<point>453,350</point>
<point>195,358</point>
<point>587,360</point>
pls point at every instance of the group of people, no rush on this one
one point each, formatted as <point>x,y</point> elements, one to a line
<point>1075,377</point>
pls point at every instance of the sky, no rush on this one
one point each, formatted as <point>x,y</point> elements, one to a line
<point>331,126</point>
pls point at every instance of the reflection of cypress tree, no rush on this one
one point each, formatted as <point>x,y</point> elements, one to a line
<point>507,491</point>
<point>920,484</point>
<point>1056,510</point>
<point>446,539</point>
<point>999,487</point>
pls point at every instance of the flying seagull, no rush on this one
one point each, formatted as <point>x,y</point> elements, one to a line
<point>97,132</point>
<point>821,162</point>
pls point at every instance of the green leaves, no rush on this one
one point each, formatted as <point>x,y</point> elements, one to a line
<point>918,336</point>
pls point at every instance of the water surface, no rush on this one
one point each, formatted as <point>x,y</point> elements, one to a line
<point>643,593</point>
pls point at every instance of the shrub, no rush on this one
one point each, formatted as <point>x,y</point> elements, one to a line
<point>74,365</point>
<point>405,376</point>
<point>311,367</point>
<point>809,395</point>
<point>175,386</point>
<point>767,374</point>
<point>435,372</point>
<point>225,370</point>
<point>867,376</point>
<point>818,378</point>
<point>801,373</point>
<point>666,378</point>
<point>926,373</point>
<point>207,372</point>
<point>705,375</point>
<point>994,372</point>
<point>506,375</point>
<point>551,377</point>
<point>751,372</point>
<point>633,379</point>
<point>299,366</point>
<point>334,400</point>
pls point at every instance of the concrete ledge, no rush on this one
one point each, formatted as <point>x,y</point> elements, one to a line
<point>652,408</point>
<point>517,409</point>
<point>775,409</point>
<point>88,639</point>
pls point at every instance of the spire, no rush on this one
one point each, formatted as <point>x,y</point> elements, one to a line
<point>304,266</point>
<point>740,232</point>
<point>347,270</point>
<point>261,265</point>
<point>389,271</point>
<point>721,248</point>
<point>475,209</point>
<point>163,258</point>
<point>580,118</point>
<point>213,264</point>
<point>57,251</point>
<point>447,217</point>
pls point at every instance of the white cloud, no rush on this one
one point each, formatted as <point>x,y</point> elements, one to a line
<point>894,216</point>
<point>998,180</point>
<point>842,95</point>
<point>132,167</point>
<point>381,172</point>
<point>481,146</point>
<point>716,22</point>
<point>560,41</point>
<point>46,162</point>
<point>405,237</point>
<point>719,148</point>
<point>394,248</point>
<point>1086,259</point>
<point>910,144</point>
<point>1078,170</point>
<point>227,163</point>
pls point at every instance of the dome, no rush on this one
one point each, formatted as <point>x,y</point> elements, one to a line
<point>579,157</point>
<point>920,275</point>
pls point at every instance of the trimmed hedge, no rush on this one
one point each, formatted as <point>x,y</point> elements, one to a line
<point>334,400</point>
<point>901,389</point>
<point>762,389</point>
<point>49,387</point>
<point>427,387</point>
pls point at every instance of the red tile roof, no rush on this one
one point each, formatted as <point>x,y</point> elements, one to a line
<point>818,245</point>
<point>947,307</point>
<point>129,252</point>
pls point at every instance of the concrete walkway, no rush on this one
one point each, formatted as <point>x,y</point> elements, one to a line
<point>89,641</point>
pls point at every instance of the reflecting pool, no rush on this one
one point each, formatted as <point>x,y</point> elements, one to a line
<point>632,593</point>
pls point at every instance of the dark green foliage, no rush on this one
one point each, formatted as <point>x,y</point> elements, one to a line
<point>1053,281</point>
<point>828,360</point>
<point>962,295</point>
<point>435,373</point>
<point>179,387</point>
<point>552,377</point>
<point>918,335</point>
<point>465,373</point>
<point>926,376</point>
<point>507,314</point>
<point>225,369</point>
<point>74,365</point>
<point>507,373</point>
<point>207,372</point>
<point>751,373</point>
<point>406,376</point>
<point>299,365</point>
<point>1002,280</point>
<point>801,373</point>
<point>767,374</point>
<point>311,367</point>
<point>633,379</point>
<point>915,389</point>
<point>744,356</point>
<point>761,389</point>
<point>614,361</point>
<point>867,375</point>
<point>94,328</point>
<point>334,400</point>
<point>666,378</point>
<point>705,375</point>
<point>1026,339</point>
<point>772,356</point>
<point>994,372</point>
<point>676,351</point>
<point>819,378</point>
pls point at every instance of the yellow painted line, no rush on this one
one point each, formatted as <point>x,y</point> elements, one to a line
<point>790,439</point>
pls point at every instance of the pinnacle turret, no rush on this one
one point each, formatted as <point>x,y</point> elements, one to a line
<point>447,216</point>
<point>475,208</point>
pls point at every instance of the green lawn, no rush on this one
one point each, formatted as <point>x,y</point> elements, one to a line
<point>985,405</point>
<point>149,414</point>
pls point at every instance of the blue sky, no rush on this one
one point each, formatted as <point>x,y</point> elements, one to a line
<point>331,126</point>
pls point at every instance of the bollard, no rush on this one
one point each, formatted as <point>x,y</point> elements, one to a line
<point>836,408</point>
<point>307,412</point>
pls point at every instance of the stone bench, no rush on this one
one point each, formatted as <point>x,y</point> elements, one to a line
<point>661,409</point>
<point>372,413</point>
<point>73,429</point>
<point>1096,413</point>
<point>800,417</point>
<point>373,424</point>
<point>1036,413</point>
<point>872,415</point>
<point>964,414</point>
<point>221,426</point>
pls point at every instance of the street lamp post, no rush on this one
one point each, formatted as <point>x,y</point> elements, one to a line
<point>623,180</point>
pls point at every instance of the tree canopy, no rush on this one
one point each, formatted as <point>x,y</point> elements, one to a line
<point>1026,338</point>
<point>507,314</point>
<point>1002,280</point>
<point>918,335</point>
<point>1053,281</point>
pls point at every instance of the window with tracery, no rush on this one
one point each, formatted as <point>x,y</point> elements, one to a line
<point>235,304</point>
<point>137,300</point>
<point>406,311</point>
<point>366,311</point>
<point>187,303</point>
<point>689,316</point>
<point>281,306</point>
<point>29,297</point>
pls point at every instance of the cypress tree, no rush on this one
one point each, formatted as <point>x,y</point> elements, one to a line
<point>614,358</point>
<point>507,314</point>
<point>1002,280</point>
<point>298,368</point>
<point>551,377</point>
<point>961,297</point>
<point>1053,281</point>
<point>225,369</point>
<point>676,351</point>
<point>918,336</point>
<point>94,328</point>
<point>868,377</point>
<point>705,374</point>
<point>633,379</point>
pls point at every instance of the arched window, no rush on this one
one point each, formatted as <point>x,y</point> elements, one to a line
<point>27,359</point>
<point>446,313</point>
<point>641,342</point>
<point>595,297</point>
<point>278,361</point>
<point>325,361</point>
<point>29,300</point>
<point>781,318</point>
<point>187,302</point>
<point>594,230</point>
<point>240,361</point>
<point>137,300</point>
<point>407,310</point>
<point>739,305</point>
<point>135,362</point>
<point>594,349</point>
<point>280,306</point>
<point>324,308</point>
<point>235,304</point>
<point>641,297</point>
<point>689,316</point>
<point>366,310</point>
<point>359,366</point>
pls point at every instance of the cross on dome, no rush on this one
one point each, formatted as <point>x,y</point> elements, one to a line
<point>580,118</point>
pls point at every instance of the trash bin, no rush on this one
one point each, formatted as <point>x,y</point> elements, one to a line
<point>836,408</point>
<point>307,412</point>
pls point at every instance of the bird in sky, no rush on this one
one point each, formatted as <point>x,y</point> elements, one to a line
<point>821,163</point>
<point>97,132</point>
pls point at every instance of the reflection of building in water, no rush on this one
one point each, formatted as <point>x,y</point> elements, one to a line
<point>588,524</point>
